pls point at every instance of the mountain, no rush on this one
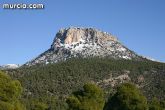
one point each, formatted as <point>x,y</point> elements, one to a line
<point>59,80</point>
<point>83,43</point>
<point>81,55</point>
<point>10,66</point>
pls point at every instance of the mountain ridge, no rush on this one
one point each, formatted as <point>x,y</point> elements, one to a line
<point>78,56</point>
<point>84,42</point>
<point>9,66</point>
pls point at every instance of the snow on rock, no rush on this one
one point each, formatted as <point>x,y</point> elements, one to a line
<point>83,42</point>
<point>126,57</point>
<point>10,66</point>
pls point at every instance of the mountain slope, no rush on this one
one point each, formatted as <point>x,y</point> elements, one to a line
<point>61,79</point>
<point>83,43</point>
<point>81,55</point>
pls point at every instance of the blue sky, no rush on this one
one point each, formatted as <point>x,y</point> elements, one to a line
<point>138,24</point>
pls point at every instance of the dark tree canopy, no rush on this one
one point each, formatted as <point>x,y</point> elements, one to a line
<point>155,104</point>
<point>127,97</point>
<point>91,98</point>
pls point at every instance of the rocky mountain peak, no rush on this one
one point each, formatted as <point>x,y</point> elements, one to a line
<point>79,35</point>
<point>83,42</point>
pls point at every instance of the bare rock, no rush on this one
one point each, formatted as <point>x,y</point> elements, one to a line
<point>83,42</point>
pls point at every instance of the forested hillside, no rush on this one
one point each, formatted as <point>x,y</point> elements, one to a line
<point>57,81</point>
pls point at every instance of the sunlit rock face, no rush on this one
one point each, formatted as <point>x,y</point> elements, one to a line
<point>83,43</point>
<point>77,35</point>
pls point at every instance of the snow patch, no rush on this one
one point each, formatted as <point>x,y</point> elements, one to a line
<point>126,57</point>
<point>121,49</point>
<point>10,66</point>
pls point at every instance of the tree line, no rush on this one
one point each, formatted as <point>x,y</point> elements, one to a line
<point>90,97</point>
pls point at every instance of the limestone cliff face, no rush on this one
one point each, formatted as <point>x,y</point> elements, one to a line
<point>83,42</point>
<point>75,35</point>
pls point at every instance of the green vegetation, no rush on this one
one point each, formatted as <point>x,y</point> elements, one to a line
<point>155,104</point>
<point>51,84</point>
<point>10,91</point>
<point>127,97</point>
<point>90,98</point>
<point>37,105</point>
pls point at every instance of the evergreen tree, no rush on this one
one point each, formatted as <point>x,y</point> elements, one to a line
<point>37,105</point>
<point>91,98</point>
<point>10,91</point>
<point>127,97</point>
<point>155,105</point>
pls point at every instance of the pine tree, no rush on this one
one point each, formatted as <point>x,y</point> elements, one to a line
<point>91,98</point>
<point>10,91</point>
<point>127,97</point>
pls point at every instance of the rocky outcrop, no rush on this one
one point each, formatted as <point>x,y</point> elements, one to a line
<point>83,42</point>
<point>77,35</point>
